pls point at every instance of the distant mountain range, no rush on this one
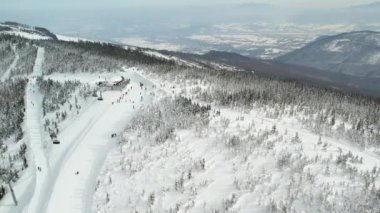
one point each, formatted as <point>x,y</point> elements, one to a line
<point>354,53</point>
<point>348,61</point>
<point>279,70</point>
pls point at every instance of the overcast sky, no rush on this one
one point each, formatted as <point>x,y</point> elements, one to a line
<point>116,4</point>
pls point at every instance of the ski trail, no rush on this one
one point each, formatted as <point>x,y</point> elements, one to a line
<point>12,66</point>
<point>73,192</point>
<point>34,127</point>
<point>70,139</point>
<point>37,69</point>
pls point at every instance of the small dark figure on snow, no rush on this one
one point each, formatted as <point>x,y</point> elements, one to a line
<point>77,173</point>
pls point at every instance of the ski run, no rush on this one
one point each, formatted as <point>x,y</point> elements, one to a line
<point>34,128</point>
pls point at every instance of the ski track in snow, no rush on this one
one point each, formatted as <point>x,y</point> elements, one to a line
<point>12,66</point>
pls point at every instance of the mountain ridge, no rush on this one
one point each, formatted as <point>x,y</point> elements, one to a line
<point>10,27</point>
<point>354,53</point>
<point>283,71</point>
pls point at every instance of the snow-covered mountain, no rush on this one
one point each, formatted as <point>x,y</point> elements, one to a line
<point>99,127</point>
<point>354,53</point>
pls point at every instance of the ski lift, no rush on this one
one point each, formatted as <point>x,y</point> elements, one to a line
<point>56,141</point>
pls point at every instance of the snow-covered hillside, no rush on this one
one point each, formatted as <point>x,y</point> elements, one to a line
<point>65,122</point>
<point>34,33</point>
<point>64,117</point>
<point>240,162</point>
<point>177,156</point>
<point>22,30</point>
<point>355,53</point>
<point>96,127</point>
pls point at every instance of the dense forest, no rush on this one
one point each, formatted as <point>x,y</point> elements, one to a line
<point>11,107</point>
<point>91,57</point>
<point>160,121</point>
<point>57,94</point>
<point>10,46</point>
<point>65,56</point>
<point>27,55</point>
<point>326,111</point>
<point>6,55</point>
<point>12,148</point>
<point>61,100</point>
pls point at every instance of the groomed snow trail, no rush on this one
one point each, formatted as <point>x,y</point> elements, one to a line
<point>34,128</point>
<point>84,146</point>
<point>12,66</point>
